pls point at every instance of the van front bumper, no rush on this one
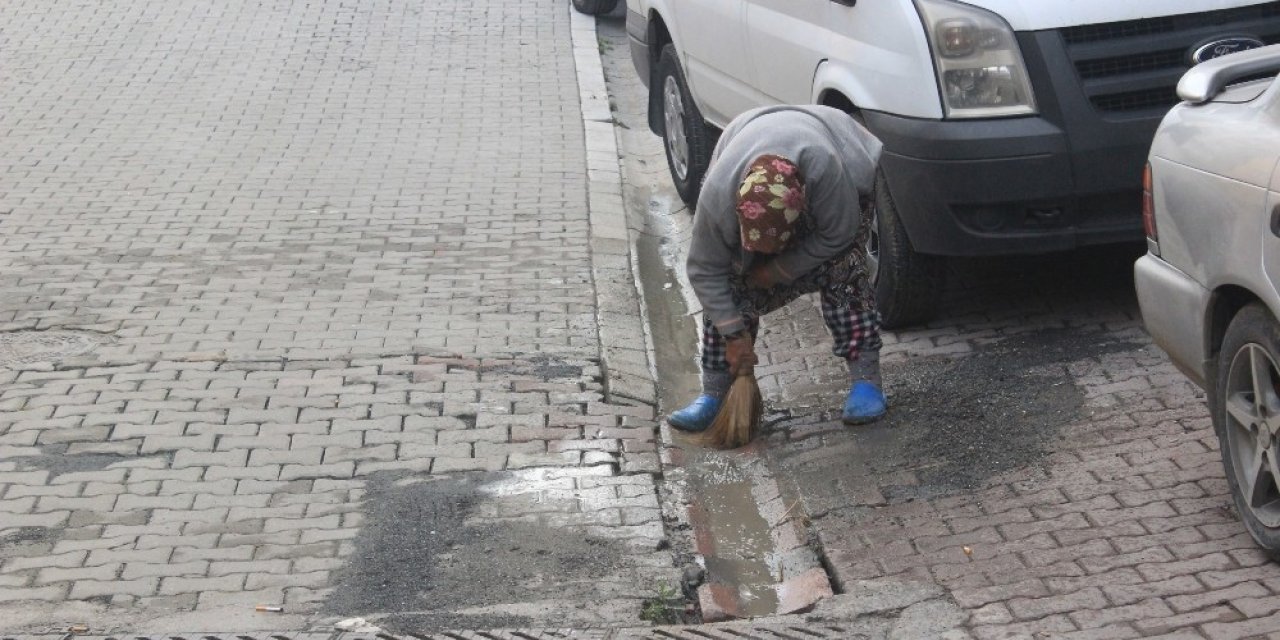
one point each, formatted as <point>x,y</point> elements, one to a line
<point>1010,186</point>
<point>1174,308</point>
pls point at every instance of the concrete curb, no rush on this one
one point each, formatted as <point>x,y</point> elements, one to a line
<point>763,631</point>
<point>802,582</point>
<point>625,347</point>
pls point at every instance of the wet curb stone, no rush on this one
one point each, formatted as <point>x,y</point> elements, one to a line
<point>625,348</point>
<point>627,343</point>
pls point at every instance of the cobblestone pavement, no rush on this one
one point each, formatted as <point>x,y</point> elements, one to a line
<point>297,309</point>
<point>1044,468</point>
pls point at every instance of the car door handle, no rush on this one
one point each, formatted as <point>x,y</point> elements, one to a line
<point>847,3</point>
<point>1275,220</point>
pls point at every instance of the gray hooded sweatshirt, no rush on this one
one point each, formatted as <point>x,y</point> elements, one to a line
<point>837,158</point>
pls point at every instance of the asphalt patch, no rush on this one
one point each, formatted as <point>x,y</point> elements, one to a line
<point>541,366</point>
<point>28,541</point>
<point>29,535</point>
<point>56,461</point>
<point>999,409</point>
<point>418,561</point>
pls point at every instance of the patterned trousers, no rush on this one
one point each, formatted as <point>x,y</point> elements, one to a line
<point>848,305</point>
<point>853,331</point>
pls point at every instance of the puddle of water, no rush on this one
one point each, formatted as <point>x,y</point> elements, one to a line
<point>31,346</point>
<point>743,545</point>
<point>724,483</point>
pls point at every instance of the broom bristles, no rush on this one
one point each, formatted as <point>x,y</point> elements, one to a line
<point>739,418</point>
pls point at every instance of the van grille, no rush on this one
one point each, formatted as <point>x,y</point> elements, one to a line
<point>1135,65</point>
<point>1169,24</point>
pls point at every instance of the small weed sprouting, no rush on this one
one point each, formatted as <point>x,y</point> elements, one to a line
<point>662,608</point>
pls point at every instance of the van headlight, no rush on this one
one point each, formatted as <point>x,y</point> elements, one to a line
<point>980,68</point>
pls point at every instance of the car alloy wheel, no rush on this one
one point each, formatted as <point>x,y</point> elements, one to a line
<point>1251,405</point>
<point>673,117</point>
<point>872,247</point>
<point>687,138</point>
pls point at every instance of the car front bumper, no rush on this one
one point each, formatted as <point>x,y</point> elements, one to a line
<point>1174,310</point>
<point>1009,186</point>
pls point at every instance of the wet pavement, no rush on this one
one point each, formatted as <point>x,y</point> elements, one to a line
<point>313,307</point>
<point>1043,466</point>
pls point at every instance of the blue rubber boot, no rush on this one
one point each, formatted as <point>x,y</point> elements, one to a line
<point>866,403</point>
<point>697,416</point>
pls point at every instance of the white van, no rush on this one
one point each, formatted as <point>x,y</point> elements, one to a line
<point>1010,126</point>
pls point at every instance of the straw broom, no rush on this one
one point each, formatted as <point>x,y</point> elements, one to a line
<point>739,418</point>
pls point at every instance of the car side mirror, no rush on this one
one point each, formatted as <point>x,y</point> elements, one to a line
<point>1207,79</point>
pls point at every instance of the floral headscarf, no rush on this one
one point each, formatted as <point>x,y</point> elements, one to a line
<point>770,201</point>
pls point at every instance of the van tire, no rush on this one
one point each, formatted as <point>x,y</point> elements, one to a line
<point>908,284</point>
<point>595,7</point>
<point>688,154</point>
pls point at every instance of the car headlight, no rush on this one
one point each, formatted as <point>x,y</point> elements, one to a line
<point>980,68</point>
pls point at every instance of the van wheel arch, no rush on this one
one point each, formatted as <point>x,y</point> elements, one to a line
<point>836,100</point>
<point>908,284</point>
<point>659,37</point>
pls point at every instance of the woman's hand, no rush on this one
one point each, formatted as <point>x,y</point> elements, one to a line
<point>761,276</point>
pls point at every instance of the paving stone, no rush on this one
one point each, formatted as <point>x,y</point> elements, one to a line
<point>1051,625</point>
<point>1162,571</point>
<point>1191,602</point>
<point>1091,619</point>
<point>331,470</point>
<point>172,585</point>
<point>188,554</point>
<point>314,579</point>
<point>49,575</point>
<point>1127,594</point>
<point>1114,561</point>
<point>62,560</point>
<point>50,593</point>
<point>1170,624</point>
<point>157,556</point>
<point>137,570</point>
<point>227,567</point>
<point>1034,608</point>
<point>1242,629</point>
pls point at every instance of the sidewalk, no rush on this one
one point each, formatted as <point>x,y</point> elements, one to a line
<point>299,309</point>
<point>1043,472</point>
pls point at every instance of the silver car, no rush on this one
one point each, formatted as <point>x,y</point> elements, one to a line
<point>1208,284</point>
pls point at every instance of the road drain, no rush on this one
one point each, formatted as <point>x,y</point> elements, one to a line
<point>29,346</point>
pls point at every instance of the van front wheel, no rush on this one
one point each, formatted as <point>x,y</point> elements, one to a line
<point>908,284</point>
<point>595,7</point>
<point>688,139</point>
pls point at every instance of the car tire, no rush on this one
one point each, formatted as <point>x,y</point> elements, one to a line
<point>1250,350</point>
<point>595,7</point>
<point>686,137</point>
<point>908,284</point>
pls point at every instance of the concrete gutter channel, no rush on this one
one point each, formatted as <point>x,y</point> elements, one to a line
<point>762,570</point>
<point>749,539</point>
